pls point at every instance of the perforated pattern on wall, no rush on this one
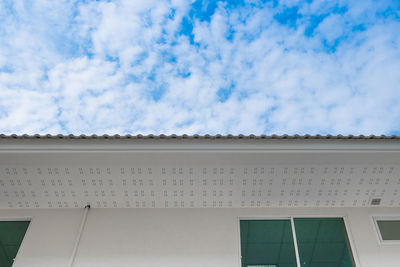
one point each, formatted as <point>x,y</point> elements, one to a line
<point>198,187</point>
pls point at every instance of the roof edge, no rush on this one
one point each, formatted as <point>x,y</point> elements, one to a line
<point>196,136</point>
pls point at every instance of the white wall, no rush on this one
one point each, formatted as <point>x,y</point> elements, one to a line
<point>171,237</point>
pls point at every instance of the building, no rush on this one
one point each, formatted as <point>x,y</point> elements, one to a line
<point>215,201</point>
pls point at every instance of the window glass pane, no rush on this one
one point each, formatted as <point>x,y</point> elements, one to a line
<point>390,230</point>
<point>267,243</point>
<point>323,242</point>
<point>11,235</point>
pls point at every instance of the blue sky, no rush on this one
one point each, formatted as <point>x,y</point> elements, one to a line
<point>200,67</point>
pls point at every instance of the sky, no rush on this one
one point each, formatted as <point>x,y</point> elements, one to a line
<point>200,67</point>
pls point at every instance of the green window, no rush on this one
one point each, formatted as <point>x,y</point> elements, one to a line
<point>321,242</point>
<point>267,243</point>
<point>11,235</point>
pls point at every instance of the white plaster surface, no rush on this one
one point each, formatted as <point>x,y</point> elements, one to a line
<point>173,237</point>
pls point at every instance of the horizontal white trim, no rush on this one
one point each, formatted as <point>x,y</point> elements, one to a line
<point>237,146</point>
<point>195,149</point>
<point>15,219</point>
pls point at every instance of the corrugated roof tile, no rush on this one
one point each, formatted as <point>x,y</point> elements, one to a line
<point>196,136</point>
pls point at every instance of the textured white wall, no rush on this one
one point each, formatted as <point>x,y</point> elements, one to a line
<point>171,237</point>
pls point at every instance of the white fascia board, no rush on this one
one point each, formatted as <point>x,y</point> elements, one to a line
<point>192,145</point>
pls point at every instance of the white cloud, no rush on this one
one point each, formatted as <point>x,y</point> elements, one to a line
<point>332,28</point>
<point>125,68</point>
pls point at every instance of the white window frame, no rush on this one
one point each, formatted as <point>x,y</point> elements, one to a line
<point>291,219</point>
<point>375,219</point>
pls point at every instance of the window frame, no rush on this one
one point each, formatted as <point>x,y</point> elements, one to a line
<point>19,219</point>
<point>291,219</point>
<point>375,219</point>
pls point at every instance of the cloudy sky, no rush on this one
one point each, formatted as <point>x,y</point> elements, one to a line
<point>185,66</point>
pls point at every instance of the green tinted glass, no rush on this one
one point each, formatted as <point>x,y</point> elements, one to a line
<point>323,242</point>
<point>267,243</point>
<point>390,230</point>
<point>11,235</point>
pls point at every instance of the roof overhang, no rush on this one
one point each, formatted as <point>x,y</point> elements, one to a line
<point>198,172</point>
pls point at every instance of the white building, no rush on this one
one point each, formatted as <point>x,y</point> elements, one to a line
<point>210,201</point>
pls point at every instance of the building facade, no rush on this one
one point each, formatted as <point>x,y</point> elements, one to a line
<point>218,201</point>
